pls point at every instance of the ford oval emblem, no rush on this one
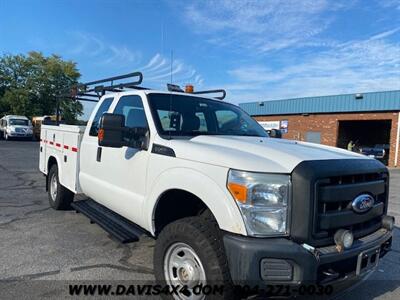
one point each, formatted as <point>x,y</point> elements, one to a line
<point>363,203</point>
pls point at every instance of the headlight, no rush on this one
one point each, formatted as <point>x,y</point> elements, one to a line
<point>263,200</point>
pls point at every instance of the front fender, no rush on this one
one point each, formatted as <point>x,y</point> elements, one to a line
<point>218,200</point>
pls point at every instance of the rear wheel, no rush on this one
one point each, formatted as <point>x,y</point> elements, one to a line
<point>60,198</point>
<point>189,253</point>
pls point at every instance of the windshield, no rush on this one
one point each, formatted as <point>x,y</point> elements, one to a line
<point>179,115</point>
<point>21,122</point>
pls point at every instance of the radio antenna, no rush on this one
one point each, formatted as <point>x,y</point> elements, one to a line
<point>170,95</point>
<point>172,62</point>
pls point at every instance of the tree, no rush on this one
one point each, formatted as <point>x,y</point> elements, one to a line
<point>29,85</point>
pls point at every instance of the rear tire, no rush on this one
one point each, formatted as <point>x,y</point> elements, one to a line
<point>190,252</point>
<point>60,198</point>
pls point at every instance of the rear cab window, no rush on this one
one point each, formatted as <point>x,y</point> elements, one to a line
<point>103,108</point>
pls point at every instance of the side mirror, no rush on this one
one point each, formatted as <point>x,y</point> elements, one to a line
<point>112,131</point>
<point>275,133</point>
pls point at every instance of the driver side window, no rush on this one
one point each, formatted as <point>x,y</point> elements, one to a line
<point>132,108</point>
<point>94,129</point>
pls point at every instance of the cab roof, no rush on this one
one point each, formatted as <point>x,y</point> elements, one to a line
<point>15,117</point>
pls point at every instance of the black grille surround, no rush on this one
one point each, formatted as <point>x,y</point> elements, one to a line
<point>322,192</point>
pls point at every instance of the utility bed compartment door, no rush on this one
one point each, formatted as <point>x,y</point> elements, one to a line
<point>70,161</point>
<point>42,152</point>
<point>62,143</point>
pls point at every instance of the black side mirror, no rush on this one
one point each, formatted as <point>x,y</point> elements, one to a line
<point>275,133</point>
<point>112,131</point>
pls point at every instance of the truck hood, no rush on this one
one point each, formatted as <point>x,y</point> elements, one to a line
<point>255,154</point>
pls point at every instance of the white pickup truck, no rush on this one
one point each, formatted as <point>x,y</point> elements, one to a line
<point>225,202</point>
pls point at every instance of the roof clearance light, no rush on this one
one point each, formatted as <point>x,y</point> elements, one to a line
<point>189,88</point>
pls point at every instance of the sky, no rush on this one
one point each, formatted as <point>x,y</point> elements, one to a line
<point>256,50</point>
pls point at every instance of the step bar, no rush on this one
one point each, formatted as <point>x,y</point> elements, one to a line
<point>122,229</point>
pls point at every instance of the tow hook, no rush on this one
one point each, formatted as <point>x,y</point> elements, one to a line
<point>312,250</point>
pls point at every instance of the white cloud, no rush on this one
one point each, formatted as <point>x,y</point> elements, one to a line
<point>372,64</point>
<point>88,45</point>
<point>157,70</point>
<point>262,25</point>
<point>390,3</point>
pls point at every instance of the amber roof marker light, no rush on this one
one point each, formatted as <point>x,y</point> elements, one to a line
<point>189,88</point>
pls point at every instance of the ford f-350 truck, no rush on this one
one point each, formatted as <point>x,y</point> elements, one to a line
<point>225,202</point>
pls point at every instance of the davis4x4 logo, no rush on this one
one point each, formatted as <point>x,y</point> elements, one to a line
<point>363,203</point>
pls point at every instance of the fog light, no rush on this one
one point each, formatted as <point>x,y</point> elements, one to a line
<point>388,222</point>
<point>343,239</point>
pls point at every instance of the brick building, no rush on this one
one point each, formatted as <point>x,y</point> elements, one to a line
<point>368,119</point>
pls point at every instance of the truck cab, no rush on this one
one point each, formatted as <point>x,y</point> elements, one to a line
<point>226,203</point>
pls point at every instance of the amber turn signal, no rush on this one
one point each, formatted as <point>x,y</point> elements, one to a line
<point>100,135</point>
<point>239,192</point>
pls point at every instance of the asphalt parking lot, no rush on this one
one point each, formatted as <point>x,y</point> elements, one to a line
<point>38,243</point>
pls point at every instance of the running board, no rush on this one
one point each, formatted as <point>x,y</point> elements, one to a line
<point>122,229</point>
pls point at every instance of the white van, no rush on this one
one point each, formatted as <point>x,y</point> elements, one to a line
<point>12,126</point>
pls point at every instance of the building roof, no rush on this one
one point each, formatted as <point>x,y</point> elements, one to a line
<point>373,101</point>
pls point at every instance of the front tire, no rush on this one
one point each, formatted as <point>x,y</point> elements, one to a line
<point>189,252</point>
<point>60,198</point>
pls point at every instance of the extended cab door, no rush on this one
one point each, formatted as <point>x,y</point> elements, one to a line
<point>90,169</point>
<point>119,178</point>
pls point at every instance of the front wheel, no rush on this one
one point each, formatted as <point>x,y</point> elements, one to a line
<point>189,253</point>
<point>60,198</point>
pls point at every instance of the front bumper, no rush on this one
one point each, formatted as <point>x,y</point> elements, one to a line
<point>247,257</point>
<point>20,135</point>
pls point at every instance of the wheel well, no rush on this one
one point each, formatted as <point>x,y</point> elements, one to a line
<point>177,204</point>
<point>50,163</point>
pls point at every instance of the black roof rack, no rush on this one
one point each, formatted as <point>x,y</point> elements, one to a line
<point>93,90</point>
<point>174,88</point>
<point>213,92</point>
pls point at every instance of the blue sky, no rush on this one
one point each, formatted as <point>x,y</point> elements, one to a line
<point>256,50</point>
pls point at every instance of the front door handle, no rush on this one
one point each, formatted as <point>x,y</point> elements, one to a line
<point>98,158</point>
